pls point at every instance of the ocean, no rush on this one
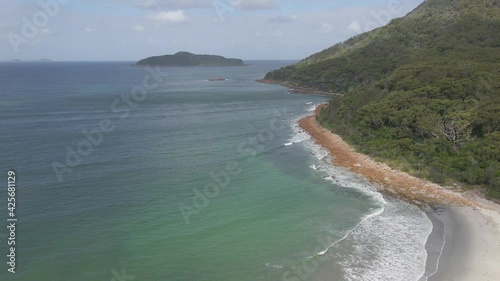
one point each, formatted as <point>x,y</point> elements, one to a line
<point>128,173</point>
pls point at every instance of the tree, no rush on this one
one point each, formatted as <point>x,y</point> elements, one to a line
<point>456,130</point>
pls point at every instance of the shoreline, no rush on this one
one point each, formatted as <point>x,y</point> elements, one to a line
<point>300,90</point>
<point>470,245</point>
<point>392,182</point>
<point>465,241</point>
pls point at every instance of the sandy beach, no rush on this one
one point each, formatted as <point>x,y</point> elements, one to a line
<point>471,249</point>
<point>465,242</point>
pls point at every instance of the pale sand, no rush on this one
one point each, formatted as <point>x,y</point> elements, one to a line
<point>472,245</point>
<point>471,250</point>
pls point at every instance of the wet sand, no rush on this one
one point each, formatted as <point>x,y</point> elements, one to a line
<point>471,249</point>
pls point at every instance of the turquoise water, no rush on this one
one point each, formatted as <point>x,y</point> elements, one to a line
<point>198,181</point>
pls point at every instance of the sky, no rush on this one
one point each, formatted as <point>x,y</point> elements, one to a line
<point>129,30</point>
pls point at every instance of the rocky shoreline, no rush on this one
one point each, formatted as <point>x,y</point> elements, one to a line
<point>300,90</point>
<point>395,183</point>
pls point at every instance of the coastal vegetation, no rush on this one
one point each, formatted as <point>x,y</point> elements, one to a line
<point>189,59</point>
<point>422,93</point>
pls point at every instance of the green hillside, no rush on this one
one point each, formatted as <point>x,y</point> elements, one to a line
<point>422,93</point>
<point>189,59</point>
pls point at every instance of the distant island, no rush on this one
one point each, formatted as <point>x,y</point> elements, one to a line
<point>189,59</point>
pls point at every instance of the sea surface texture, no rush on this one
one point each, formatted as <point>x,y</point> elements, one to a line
<point>128,173</point>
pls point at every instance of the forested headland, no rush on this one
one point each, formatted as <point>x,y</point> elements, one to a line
<point>421,93</point>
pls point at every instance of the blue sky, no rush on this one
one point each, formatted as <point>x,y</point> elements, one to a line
<point>128,30</point>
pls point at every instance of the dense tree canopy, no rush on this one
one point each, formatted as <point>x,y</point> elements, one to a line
<point>422,92</point>
<point>189,59</point>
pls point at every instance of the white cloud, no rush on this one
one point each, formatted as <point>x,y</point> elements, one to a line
<point>45,31</point>
<point>326,27</point>
<point>253,4</point>
<point>189,4</point>
<point>282,19</point>
<point>354,26</point>
<point>277,32</point>
<point>153,41</point>
<point>4,25</point>
<point>250,29</point>
<point>150,3</point>
<point>138,28</point>
<point>170,16</point>
<point>177,4</point>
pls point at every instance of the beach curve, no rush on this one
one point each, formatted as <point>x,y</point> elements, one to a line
<point>472,255</point>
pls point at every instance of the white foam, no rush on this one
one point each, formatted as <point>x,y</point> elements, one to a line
<point>388,243</point>
<point>423,277</point>
<point>397,231</point>
<point>373,214</point>
<point>311,108</point>
<point>341,176</point>
<point>298,135</point>
<point>277,266</point>
<point>390,246</point>
<point>322,156</point>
